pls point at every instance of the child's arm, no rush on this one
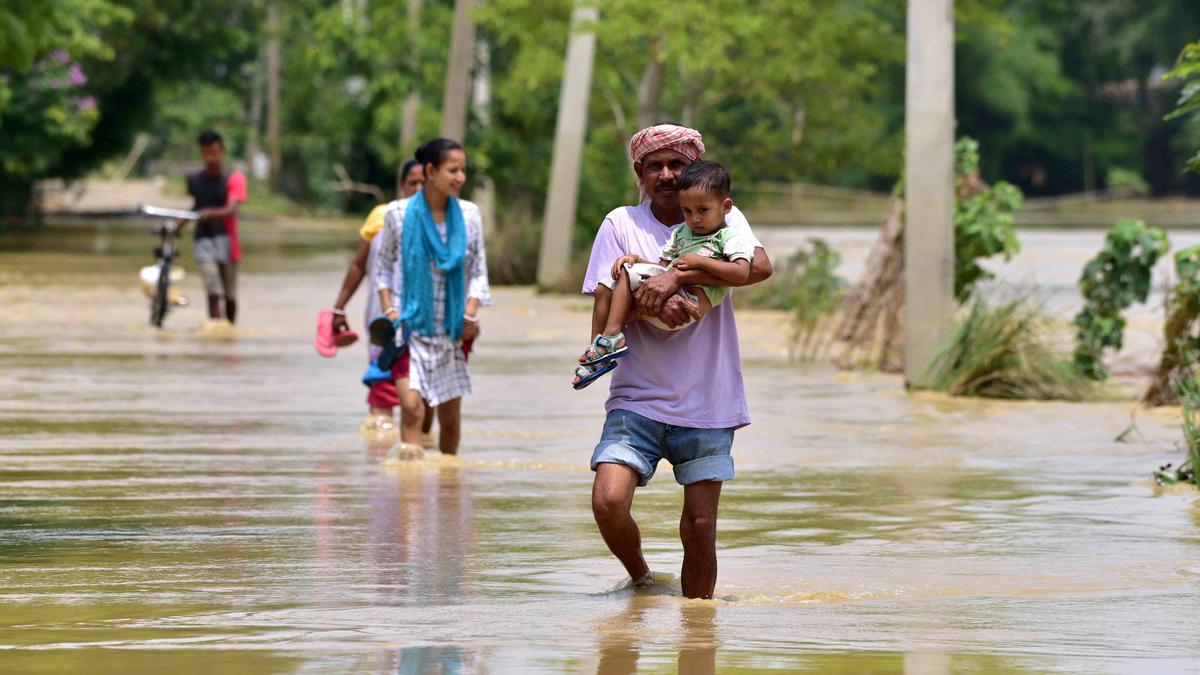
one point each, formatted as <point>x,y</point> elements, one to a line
<point>731,272</point>
<point>615,272</point>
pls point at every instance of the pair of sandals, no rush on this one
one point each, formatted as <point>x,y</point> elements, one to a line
<point>382,332</point>
<point>599,358</point>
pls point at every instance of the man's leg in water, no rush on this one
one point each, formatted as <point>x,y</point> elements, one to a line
<point>612,497</point>
<point>229,281</point>
<point>698,532</point>
<point>449,425</point>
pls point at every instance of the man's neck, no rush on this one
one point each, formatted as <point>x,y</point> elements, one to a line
<point>213,171</point>
<point>666,215</point>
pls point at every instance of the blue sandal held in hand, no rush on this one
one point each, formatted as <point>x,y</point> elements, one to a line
<point>588,374</point>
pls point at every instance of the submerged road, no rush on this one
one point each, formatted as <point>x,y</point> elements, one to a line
<point>202,499</point>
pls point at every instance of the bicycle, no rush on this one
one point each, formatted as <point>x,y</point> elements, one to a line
<point>157,278</point>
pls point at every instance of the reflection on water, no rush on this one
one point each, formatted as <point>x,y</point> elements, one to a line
<point>163,493</point>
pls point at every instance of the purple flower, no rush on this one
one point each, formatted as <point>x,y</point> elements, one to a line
<point>84,103</point>
<point>76,75</point>
<point>61,56</point>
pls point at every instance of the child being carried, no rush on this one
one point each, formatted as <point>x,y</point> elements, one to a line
<point>703,243</point>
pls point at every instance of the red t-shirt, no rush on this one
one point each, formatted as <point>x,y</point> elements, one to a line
<point>236,186</point>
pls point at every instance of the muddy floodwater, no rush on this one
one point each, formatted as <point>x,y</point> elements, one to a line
<point>198,500</point>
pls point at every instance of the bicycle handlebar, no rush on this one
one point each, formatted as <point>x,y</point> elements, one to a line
<point>178,214</point>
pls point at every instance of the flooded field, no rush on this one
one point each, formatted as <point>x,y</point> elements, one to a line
<point>198,500</point>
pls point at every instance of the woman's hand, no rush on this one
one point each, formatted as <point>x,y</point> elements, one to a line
<point>621,262</point>
<point>470,329</point>
<point>339,323</point>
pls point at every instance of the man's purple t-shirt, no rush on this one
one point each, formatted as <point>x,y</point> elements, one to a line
<point>691,377</point>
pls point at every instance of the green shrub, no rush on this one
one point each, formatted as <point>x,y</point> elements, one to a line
<point>1120,178</point>
<point>1120,274</point>
<point>983,222</point>
<point>999,352</point>
<point>807,284</point>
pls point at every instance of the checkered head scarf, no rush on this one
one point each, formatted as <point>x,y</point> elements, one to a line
<point>683,140</point>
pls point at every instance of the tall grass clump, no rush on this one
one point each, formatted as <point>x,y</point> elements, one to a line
<point>1000,352</point>
<point>1188,391</point>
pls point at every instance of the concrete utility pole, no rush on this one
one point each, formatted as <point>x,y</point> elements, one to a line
<point>458,73</point>
<point>928,184</point>
<point>274,128</point>
<point>412,102</point>
<point>569,133</point>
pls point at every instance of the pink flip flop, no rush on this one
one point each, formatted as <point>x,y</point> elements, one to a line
<point>326,346</point>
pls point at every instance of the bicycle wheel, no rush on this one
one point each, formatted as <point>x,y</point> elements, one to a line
<point>158,306</point>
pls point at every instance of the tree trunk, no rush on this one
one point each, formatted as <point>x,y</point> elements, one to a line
<point>484,194</point>
<point>458,73</point>
<point>274,128</point>
<point>648,90</point>
<point>254,120</point>
<point>869,332</point>
<point>1175,354</point>
<point>412,102</point>
<point>570,131</point>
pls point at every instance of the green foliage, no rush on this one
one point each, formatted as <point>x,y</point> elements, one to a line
<point>31,30</point>
<point>1187,70</point>
<point>47,102</point>
<point>1070,90</point>
<point>1188,391</point>
<point>806,284</point>
<point>999,352</point>
<point>126,49</point>
<point>1180,332</point>
<point>47,111</point>
<point>1121,178</point>
<point>776,89</point>
<point>983,223</point>
<point>1119,275</point>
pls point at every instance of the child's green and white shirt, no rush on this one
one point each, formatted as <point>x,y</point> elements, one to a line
<point>727,244</point>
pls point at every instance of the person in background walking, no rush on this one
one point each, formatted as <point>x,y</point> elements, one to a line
<point>216,196</point>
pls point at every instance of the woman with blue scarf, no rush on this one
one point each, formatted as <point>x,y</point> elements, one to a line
<point>432,280</point>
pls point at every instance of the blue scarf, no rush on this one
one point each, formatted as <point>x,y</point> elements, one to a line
<point>421,244</point>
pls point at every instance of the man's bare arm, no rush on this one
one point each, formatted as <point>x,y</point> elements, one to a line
<point>219,211</point>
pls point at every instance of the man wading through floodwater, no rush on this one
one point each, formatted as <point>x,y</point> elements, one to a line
<point>678,395</point>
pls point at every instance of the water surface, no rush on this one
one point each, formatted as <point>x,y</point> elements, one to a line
<point>202,500</point>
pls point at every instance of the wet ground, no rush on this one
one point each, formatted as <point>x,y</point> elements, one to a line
<point>202,500</point>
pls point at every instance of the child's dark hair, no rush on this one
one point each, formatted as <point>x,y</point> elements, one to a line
<point>707,176</point>
<point>209,137</point>
<point>434,152</point>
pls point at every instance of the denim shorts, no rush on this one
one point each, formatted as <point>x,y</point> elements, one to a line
<point>639,442</point>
